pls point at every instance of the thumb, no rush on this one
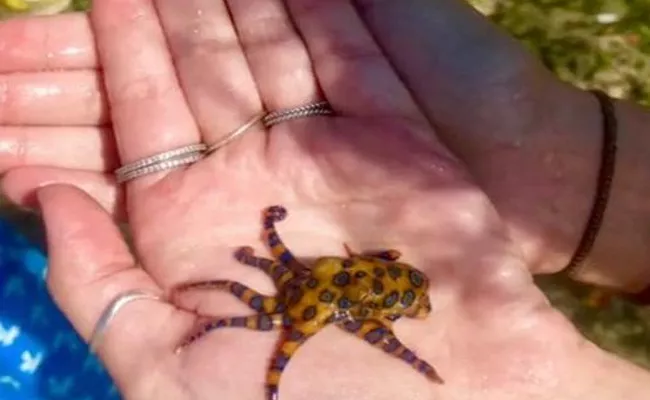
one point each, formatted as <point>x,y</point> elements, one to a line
<point>89,265</point>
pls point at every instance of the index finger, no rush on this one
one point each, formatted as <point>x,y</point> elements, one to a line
<point>54,42</point>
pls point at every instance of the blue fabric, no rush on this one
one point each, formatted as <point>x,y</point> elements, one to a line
<point>41,356</point>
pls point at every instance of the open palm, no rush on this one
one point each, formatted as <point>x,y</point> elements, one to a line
<point>373,176</point>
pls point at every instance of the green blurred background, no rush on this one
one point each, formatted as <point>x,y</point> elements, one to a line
<point>593,44</point>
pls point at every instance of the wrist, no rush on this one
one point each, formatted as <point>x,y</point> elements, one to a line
<point>541,172</point>
<point>620,258</point>
<point>557,165</point>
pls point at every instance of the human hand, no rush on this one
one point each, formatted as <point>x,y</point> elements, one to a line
<point>373,176</point>
<point>529,142</point>
<point>506,93</point>
<point>532,141</point>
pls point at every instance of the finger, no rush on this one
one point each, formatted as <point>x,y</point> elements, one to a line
<point>276,54</point>
<point>211,65</point>
<point>447,47</point>
<point>63,41</point>
<point>355,75</point>
<point>148,108</point>
<point>52,98</point>
<point>86,148</point>
<point>20,185</point>
<point>89,265</point>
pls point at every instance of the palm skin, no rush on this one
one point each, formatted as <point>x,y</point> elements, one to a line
<point>374,176</point>
<point>490,330</point>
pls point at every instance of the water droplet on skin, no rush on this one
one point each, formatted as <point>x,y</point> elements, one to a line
<point>70,51</point>
<point>8,147</point>
<point>441,168</point>
<point>198,18</point>
<point>44,91</point>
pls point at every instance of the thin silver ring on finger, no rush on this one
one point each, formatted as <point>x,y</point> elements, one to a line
<point>161,162</point>
<point>236,133</point>
<point>308,110</point>
<point>111,311</point>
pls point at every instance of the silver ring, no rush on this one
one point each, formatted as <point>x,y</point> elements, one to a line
<point>110,312</point>
<point>160,162</point>
<point>309,110</point>
<point>234,134</point>
<point>194,152</point>
<point>272,118</point>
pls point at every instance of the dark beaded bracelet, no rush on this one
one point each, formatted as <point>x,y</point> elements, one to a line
<point>603,188</point>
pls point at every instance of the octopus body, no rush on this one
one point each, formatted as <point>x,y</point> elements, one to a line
<point>363,294</point>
